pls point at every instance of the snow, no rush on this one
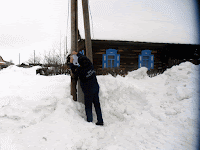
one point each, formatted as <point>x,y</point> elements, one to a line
<point>142,113</point>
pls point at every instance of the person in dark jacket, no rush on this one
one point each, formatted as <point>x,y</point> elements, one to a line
<point>89,85</point>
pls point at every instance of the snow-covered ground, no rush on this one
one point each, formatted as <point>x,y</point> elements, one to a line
<point>140,113</point>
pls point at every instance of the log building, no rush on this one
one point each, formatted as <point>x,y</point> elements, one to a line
<point>130,55</point>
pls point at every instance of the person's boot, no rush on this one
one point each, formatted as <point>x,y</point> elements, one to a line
<point>99,123</point>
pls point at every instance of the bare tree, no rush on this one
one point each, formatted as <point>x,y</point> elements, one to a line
<point>52,58</point>
<point>36,59</point>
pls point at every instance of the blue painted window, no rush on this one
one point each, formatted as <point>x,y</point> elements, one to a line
<point>111,59</point>
<point>146,60</point>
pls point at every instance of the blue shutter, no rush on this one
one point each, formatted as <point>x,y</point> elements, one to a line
<point>104,61</point>
<point>83,52</point>
<point>151,62</point>
<point>140,61</point>
<point>117,60</point>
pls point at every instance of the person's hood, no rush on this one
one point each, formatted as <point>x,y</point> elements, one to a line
<point>84,61</point>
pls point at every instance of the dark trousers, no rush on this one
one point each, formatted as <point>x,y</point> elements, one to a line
<point>89,99</point>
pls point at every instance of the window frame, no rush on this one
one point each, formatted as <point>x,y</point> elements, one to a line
<point>147,56</point>
<point>114,62</point>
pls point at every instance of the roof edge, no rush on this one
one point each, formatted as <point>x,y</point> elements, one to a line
<point>140,41</point>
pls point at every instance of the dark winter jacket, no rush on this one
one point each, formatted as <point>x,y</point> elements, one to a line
<point>86,74</point>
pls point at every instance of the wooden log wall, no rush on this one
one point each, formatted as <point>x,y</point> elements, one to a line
<point>165,55</point>
<point>128,57</point>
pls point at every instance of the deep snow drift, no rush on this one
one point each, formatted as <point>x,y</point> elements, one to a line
<point>140,113</point>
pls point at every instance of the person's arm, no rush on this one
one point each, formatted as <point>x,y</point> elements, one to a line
<point>76,53</point>
<point>79,54</point>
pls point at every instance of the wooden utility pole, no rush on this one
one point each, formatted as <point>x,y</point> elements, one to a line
<point>74,25</point>
<point>60,51</point>
<point>19,58</point>
<point>88,42</point>
<point>34,57</point>
<point>65,47</point>
<point>74,42</point>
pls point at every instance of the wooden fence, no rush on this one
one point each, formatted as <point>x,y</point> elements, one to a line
<point>113,71</point>
<point>155,72</point>
<point>122,72</point>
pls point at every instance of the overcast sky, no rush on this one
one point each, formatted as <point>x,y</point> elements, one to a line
<point>40,25</point>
